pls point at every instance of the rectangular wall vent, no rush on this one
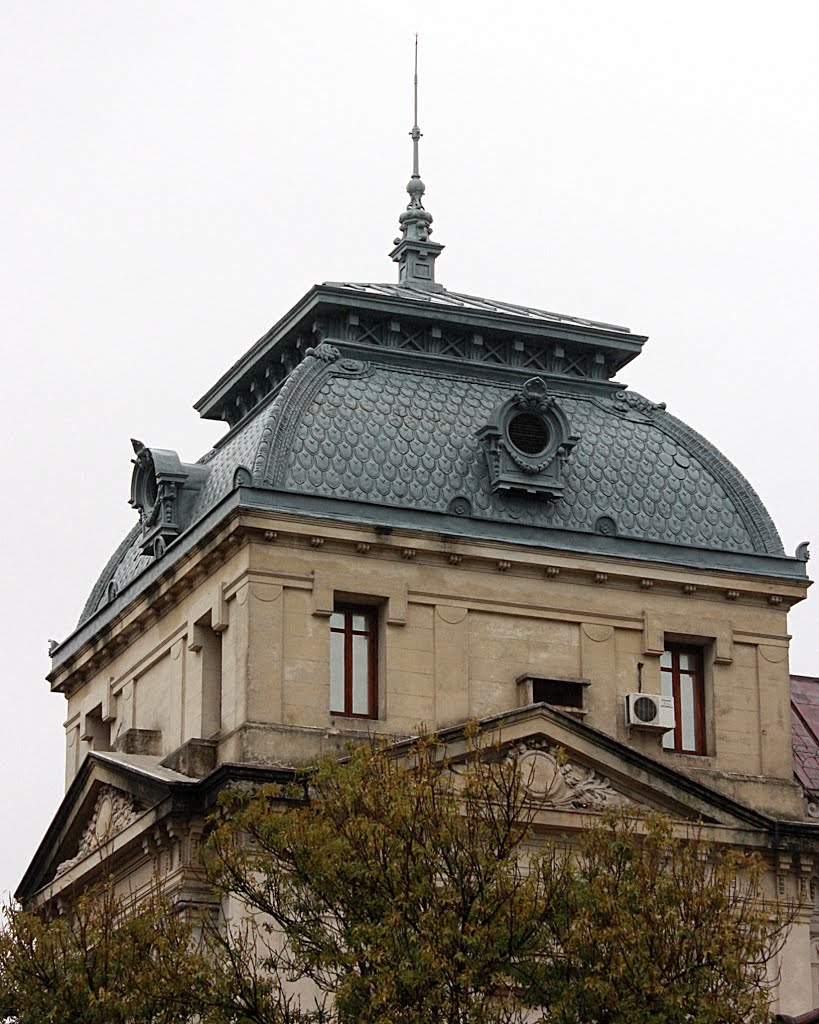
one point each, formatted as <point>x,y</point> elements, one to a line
<point>560,692</point>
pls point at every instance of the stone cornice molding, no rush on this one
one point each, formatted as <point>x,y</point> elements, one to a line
<point>152,595</point>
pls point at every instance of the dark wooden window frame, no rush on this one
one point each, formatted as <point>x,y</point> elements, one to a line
<point>370,613</point>
<point>698,677</point>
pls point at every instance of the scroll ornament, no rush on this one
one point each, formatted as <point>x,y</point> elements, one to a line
<point>113,812</point>
<point>551,781</point>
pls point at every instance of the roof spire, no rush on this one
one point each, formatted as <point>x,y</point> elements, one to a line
<point>413,252</point>
<point>415,133</point>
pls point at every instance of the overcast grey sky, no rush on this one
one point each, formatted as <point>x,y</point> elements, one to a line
<point>176,175</point>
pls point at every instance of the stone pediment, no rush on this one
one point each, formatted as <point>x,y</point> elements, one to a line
<point>113,812</point>
<point>114,799</point>
<point>570,767</point>
<point>122,808</point>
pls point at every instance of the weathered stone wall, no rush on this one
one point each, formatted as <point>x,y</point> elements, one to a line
<point>244,656</point>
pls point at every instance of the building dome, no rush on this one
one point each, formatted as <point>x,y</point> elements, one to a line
<point>415,409</point>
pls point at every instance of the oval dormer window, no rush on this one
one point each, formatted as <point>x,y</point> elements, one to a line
<point>529,433</point>
<point>149,489</point>
<point>527,440</point>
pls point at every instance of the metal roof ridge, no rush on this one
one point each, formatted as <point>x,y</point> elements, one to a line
<point>439,298</point>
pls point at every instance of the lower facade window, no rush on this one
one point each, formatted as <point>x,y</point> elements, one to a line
<point>681,677</point>
<point>354,661</point>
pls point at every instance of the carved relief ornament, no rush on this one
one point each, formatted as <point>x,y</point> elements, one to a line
<point>551,781</point>
<point>527,441</point>
<point>113,812</point>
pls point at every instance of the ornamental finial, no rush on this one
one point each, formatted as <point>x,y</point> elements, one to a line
<point>414,253</point>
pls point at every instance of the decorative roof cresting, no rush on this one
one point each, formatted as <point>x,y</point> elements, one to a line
<point>414,253</point>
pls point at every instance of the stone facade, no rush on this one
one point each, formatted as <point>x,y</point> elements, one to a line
<point>242,656</point>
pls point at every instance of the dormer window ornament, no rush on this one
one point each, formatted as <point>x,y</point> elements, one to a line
<point>163,490</point>
<point>527,441</point>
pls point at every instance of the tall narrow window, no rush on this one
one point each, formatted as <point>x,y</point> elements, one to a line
<point>681,677</point>
<point>354,662</point>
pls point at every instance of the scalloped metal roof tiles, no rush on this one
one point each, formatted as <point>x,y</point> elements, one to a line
<point>405,436</point>
<point>394,435</point>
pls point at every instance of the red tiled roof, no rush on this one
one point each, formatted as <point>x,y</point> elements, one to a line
<point>811,1017</point>
<point>805,728</point>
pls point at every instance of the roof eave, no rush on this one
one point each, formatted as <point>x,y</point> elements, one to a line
<point>619,344</point>
<point>783,569</point>
<point>217,393</point>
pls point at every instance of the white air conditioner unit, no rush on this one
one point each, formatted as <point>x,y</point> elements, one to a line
<point>650,711</point>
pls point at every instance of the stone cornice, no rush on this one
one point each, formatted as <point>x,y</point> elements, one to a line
<point>249,515</point>
<point>169,801</point>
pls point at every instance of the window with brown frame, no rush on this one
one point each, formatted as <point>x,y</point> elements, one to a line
<point>681,677</point>
<point>354,661</point>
